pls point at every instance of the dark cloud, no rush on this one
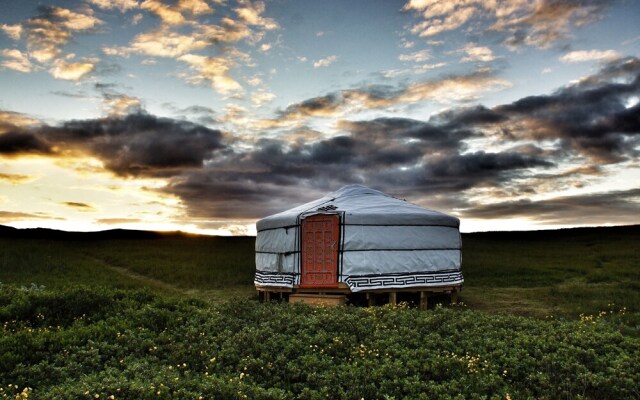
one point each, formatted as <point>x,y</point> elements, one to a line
<point>107,69</point>
<point>591,118</point>
<point>199,114</point>
<point>251,185</point>
<point>198,110</point>
<point>626,69</point>
<point>615,207</point>
<point>19,143</point>
<point>137,144</point>
<point>84,207</point>
<point>469,116</point>
<point>208,194</point>
<point>455,172</point>
<point>105,87</point>
<point>72,95</point>
<point>317,106</point>
<point>481,164</point>
<point>427,135</point>
<point>365,146</point>
<point>141,144</point>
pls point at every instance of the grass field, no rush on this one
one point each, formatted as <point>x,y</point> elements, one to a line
<point>560,273</point>
<point>564,272</point>
<point>172,264</point>
<point>149,316</point>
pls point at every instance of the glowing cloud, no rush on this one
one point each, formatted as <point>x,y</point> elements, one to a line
<point>118,105</point>
<point>51,29</point>
<point>590,55</point>
<point>418,56</point>
<point>16,60</point>
<point>164,43</point>
<point>13,31</point>
<point>477,53</point>
<point>122,5</point>
<point>9,216</point>
<point>250,13</point>
<point>71,71</point>
<point>174,14</point>
<point>325,62</point>
<point>534,23</point>
<point>15,179</point>
<point>214,70</point>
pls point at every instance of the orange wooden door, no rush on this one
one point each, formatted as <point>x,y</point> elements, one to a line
<point>320,242</point>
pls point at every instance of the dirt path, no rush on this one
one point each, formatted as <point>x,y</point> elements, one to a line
<point>143,279</point>
<point>211,295</point>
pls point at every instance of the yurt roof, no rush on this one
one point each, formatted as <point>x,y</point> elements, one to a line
<point>361,206</point>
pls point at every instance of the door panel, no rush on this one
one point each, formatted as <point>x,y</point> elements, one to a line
<point>320,242</point>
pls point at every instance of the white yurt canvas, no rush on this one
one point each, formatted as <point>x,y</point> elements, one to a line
<point>361,237</point>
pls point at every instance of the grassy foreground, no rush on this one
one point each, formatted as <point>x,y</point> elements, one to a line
<point>147,316</point>
<point>105,344</point>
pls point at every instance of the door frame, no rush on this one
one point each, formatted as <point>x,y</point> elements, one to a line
<point>338,241</point>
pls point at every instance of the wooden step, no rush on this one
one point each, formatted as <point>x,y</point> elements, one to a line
<point>318,299</point>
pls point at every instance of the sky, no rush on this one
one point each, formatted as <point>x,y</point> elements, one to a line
<point>206,115</point>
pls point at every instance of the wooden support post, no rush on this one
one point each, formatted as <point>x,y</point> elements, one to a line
<point>371,300</point>
<point>454,296</point>
<point>424,300</point>
<point>267,296</point>
<point>392,298</point>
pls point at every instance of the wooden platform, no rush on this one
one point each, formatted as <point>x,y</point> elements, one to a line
<point>318,299</point>
<point>342,288</point>
<point>338,295</point>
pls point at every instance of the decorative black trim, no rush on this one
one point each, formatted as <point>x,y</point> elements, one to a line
<point>446,271</point>
<point>298,265</point>
<point>437,225</point>
<point>278,227</point>
<point>293,226</point>
<point>460,241</point>
<point>274,279</point>
<point>286,253</point>
<point>372,281</point>
<point>363,282</point>
<point>330,207</point>
<point>341,220</point>
<point>446,249</point>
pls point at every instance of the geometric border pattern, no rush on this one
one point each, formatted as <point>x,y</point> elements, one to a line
<point>358,283</point>
<point>280,279</point>
<point>370,282</point>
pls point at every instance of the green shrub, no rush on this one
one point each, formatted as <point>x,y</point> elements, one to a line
<point>135,345</point>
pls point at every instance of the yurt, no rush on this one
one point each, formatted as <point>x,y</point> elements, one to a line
<point>357,240</point>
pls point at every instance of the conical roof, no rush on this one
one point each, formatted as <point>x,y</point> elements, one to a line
<point>361,206</point>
